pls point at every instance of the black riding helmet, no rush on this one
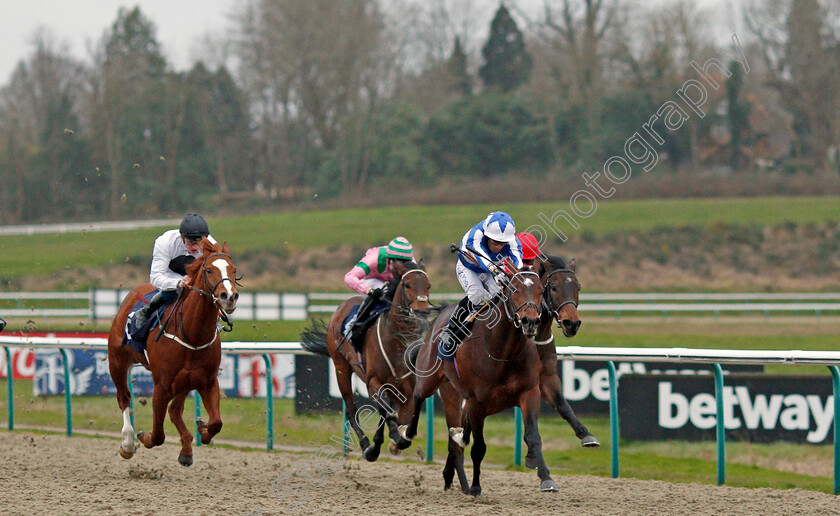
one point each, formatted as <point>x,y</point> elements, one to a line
<point>194,226</point>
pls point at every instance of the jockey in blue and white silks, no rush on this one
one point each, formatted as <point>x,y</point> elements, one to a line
<point>495,238</point>
<point>479,273</point>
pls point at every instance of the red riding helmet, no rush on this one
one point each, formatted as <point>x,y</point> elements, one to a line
<point>530,246</point>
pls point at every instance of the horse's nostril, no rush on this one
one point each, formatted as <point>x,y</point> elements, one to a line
<point>223,296</point>
<point>236,297</point>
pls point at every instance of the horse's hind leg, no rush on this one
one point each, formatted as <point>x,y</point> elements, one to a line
<point>120,365</point>
<point>210,396</point>
<point>552,391</point>
<point>343,376</point>
<point>176,415</point>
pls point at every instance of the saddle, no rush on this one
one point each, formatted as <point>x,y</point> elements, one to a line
<point>136,336</point>
<point>354,329</point>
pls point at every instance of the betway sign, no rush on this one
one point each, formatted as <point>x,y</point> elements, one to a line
<point>586,385</point>
<point>755,408</point>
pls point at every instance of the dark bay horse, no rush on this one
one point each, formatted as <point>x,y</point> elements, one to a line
<point>560,300</point>
<point>186,356</point>
<point>496,367</point>
<point>384,370</point>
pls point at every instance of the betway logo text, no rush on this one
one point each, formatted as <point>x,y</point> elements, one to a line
<point>579,384</point>
<point>791,411</point>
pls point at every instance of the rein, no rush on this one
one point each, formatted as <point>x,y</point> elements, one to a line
<point>516,319</point>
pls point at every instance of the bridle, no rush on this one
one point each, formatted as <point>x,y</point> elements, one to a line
<point>514,317</point>
<point>548,301</point>
<point>204,293</point>
<point>403,296</point>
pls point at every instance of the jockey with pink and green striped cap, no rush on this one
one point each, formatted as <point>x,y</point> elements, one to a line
<point>369,275</point>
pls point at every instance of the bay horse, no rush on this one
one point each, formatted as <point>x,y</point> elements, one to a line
<point>384,370</point>
<point>561,291</point>
<point>496,367</point>
<point>185,357</point>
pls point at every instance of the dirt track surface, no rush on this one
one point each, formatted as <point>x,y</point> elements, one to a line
<point>59,475</point>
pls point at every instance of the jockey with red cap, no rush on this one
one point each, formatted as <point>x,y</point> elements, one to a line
<point>530,248</point>
<point>368,276</point>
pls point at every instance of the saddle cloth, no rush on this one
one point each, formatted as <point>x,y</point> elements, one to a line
<point>134,336</point>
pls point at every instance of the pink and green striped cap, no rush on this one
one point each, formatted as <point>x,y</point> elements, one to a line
<point>400,248</point>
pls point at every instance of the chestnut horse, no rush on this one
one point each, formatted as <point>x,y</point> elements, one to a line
<point>185,357</point>
<point>496,367</point>
<point>560,300</point>
<point>389,380</point>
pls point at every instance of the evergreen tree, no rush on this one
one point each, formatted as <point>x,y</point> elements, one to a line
<point>456,69</point>
<point>739,112</point>
<point>507,64</point>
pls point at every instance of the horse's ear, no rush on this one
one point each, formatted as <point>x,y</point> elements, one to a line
<point>400,267</point>
<point>421,264</point>
<point>572,264</point>
<point>225,248</point>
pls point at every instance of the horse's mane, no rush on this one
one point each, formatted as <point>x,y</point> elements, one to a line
<point>556,263</point>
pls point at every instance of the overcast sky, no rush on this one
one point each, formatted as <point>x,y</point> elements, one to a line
<point>80,23</point>
<point>180,24</point>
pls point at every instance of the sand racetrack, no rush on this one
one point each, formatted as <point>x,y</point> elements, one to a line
<point>50,474</point>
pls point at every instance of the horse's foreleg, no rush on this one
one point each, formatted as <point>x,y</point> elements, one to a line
<point>119,374</point>
<point>160,400</point>
<point>455,460</point>
<point>479,447</point>
<point>176,415</point>
<point>386,409</point>
<point>530,405</point>
<point>210,396</point>
<point>552,391</point>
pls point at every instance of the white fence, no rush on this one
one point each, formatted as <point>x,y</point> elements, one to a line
<point>103,303</point>
<point>714,357</point>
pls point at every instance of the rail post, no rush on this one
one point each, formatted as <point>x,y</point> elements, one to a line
<point>517,446</point>
<point>197,402</point>
<point>67,403</point>
<point>835,377</point>
<point>10,388</point>
<point>269,403</point>
<point>430,431</point>
<point>721,434</point>
<point>613,418</point>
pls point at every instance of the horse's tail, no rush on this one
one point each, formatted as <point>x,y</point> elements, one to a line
<point>314,338</point>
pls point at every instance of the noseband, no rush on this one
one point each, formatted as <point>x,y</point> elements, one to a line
<point>547,300</point>
<point>515,318</point>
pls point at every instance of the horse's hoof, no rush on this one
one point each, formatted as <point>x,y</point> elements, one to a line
<point>185,460</point>
<point>457,435</point>
<point>200,422</point>
<point>402,430</point>
<point>371,453</point>
<point>548,486</point>
<point>590,442</point>
<point>530,462</point>
<point>475,491</point>
<point>126,454</point>
<point>392,447</point>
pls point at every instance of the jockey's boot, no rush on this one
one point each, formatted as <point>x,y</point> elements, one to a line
<point>140,316</point>
<point>360,322</point>
<point>458,327</point>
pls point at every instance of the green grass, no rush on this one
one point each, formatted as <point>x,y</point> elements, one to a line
<point>423,225</point>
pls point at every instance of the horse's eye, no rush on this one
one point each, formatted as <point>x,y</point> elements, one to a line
<point>207,271</point>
